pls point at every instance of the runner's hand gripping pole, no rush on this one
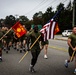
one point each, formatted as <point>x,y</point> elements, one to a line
<point>72,56</point>
<point>30,48</point>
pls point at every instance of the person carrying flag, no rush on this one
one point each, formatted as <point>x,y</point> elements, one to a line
<point>72,47</point>
<point>35,51</point>
<point>8,39</point>
<point>19,34</point>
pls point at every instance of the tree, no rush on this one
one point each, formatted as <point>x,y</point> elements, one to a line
<point>59,6</point>
<point>37,18</point>
<point>38,15</point>
<point>9,21</point>
<point>47,15</point>
<point>69,5</point>
<point>23,19</point>
<point>65,18</point>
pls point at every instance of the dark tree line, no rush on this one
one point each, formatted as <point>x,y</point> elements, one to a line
<point>65,18</point>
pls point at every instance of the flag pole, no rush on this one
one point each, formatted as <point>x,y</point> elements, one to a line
<point>30,48</point>
<point>6,33</point>
<point>72,56</point>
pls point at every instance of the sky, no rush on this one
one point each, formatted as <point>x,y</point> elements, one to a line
<point>27,7</point>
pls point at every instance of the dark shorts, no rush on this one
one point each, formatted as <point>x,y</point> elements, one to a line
<point>45,42</point>
<point>1,45</point>
<point>15,40</point>
<point>71,52</point>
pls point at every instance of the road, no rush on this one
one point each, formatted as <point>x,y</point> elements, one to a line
<point>54,65</point>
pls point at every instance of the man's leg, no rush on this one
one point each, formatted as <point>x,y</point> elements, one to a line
<point>75,65</point>
<point>33,60</point>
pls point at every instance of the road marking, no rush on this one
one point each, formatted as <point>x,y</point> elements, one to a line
<point>57,48</point>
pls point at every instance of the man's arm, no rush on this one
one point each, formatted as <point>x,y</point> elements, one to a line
<point>70,45</point>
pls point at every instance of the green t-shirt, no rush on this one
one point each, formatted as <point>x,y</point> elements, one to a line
<point>33,36</point>
<point>4,31</point>
<point>73,40</point>
<point>9,36</point>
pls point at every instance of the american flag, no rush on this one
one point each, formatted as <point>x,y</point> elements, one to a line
<point>51,28</point>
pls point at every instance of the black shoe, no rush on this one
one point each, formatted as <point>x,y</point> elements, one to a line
<point>14,47</point>
<point>6,51</point>
<point>20,51</point>
<point>31,69</point>
<point>24,50</point>
<point>17,49</point>
<point>8,48</point>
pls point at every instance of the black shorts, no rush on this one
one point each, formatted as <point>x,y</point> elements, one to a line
<point>15,40</point>
<point>71,52</point>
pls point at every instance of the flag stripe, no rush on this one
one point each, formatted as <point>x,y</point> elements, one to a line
<point>52,30</point>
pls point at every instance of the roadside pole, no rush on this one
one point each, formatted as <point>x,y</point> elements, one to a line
<point>74,14</point>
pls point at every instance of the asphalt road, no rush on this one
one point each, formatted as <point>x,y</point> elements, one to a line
<point>54,65</point>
